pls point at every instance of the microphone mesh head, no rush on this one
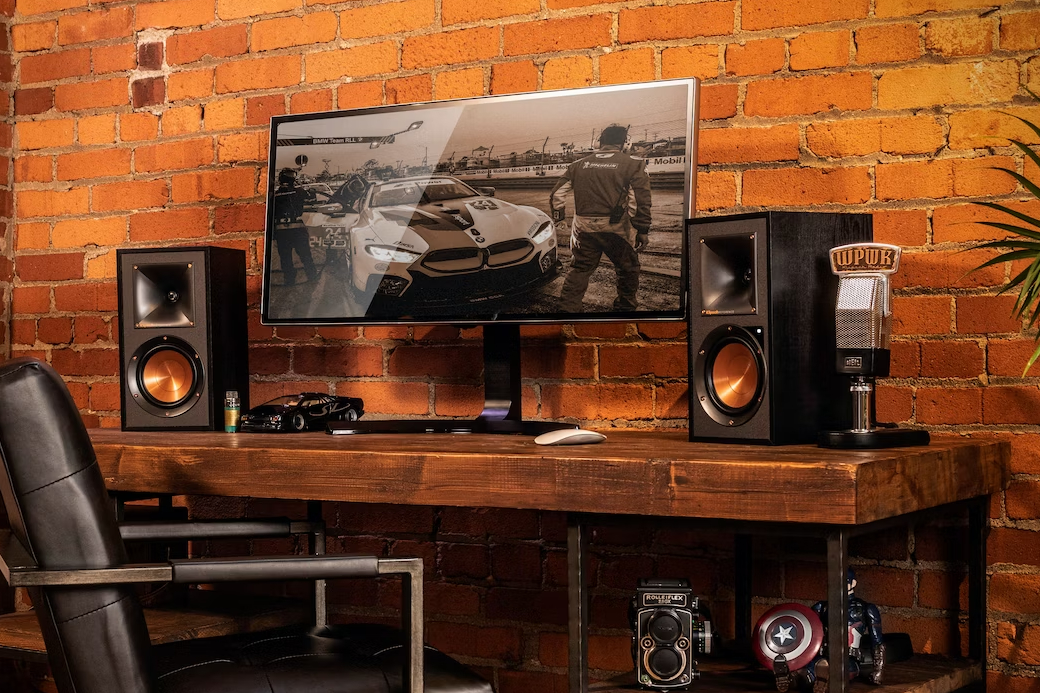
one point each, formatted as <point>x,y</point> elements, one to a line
<point>860,317</point>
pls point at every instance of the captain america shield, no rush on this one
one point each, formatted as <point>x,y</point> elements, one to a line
<point>791,630</point>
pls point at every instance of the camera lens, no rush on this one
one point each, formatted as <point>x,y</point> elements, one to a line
<point>665,627</point>
<point>665,663</point>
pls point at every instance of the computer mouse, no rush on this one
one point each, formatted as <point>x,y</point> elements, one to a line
<point>570,436</point>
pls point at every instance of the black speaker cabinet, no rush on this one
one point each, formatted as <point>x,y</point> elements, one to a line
<point>761,326</point>
<point>182,336</point>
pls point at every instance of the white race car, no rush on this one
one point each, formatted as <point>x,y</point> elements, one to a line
<point>436,239</point>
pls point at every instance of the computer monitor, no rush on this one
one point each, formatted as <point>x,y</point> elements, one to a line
<point>547,207</point>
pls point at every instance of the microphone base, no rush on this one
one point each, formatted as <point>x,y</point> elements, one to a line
<point>874,439</point>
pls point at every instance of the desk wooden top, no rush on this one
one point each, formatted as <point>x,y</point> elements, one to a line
<point>633,472</point>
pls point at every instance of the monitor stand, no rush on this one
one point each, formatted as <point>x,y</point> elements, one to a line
<point>502,391</point>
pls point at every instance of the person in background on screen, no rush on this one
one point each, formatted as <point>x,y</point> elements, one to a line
<point>611,215</point>
<point>290,233</point>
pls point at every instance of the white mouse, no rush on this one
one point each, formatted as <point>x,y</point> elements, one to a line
<point>569,436</point>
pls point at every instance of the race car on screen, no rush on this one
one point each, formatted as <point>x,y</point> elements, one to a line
<point>436,239</point>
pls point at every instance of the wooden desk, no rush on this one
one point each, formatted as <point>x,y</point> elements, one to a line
<point>750,489</point>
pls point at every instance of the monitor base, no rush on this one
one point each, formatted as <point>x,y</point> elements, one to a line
<point>507,426</point>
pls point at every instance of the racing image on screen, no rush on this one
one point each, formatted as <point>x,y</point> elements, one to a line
<point>538,206</point>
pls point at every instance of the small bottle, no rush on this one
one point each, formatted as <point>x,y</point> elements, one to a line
<point>232,411</point>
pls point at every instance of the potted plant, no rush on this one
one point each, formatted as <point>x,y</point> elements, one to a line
<point>1023,244</point>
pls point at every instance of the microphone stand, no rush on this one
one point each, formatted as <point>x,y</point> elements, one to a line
<point>862,353</point>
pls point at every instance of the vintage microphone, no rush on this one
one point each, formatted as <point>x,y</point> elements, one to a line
<point>863,318</point>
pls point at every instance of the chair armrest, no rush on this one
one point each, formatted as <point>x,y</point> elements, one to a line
<point>216,529</point>
<point>273,568</point>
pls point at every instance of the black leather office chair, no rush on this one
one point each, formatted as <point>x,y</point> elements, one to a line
<point>64,546</point>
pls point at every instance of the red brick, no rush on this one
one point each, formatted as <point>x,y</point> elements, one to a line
<point>97,25</point>
<point>174,14</point>
<point>554,35</point>
<point>569,361</point>
<point>1014,593</point>
<point>195,84</point>
<point>150,56</point>
<point>170,156</point>
<point>739,145</point>
<point>54,330</point>
<point>87,362</point>
<point>950,224</point>
<point>959,83</point>
<point>104,396</point>
<point>1011,405</point>
<point>147,92</point>
<point>986,315</point>
<point>819,49</point>
<point>1008,357</point>
<point>901,227</point>
<point>958,37</point>
<point>894,404</point>
<point>976,177</point>
<point>510,78</point>
<point>56,65</point>
<point>389,18</point>
<point>30,299</point>
<point>1016,643</point>
<point>915,179</point>
<point>949,405</point>
<point>359,61</point>
<point>847,91</point>
<point>665,23</point>
<point>260,109</point>
<point>33,101</point>
<point>240,218</point>
<point>223,184</point>
<point>97,163</point>
<point>766,14</point>
<point>684,61</point>
<point>54,267</point>
<point>948,268</point>
<point>942,590</point>
<point>76,298</point>
<point>637,361</point>
<point>887,43</point>
<point>446,362</point>
<point>450,48</point>
<point>91,329</point>
<point>1023,499</point>
<point>30,7</point>
<point>219,42</point>
<point>806,186</point>
<point>258,73</point>
<point>1007,545</point>
<point>566,73</point>
<point>359,94</point>
<point>33,36</point>
<point>502,644</point>
<point>958,359</point>
<point>284,32</point>
<point>921,315</point>
<point>635,65</point>
<point>762,57</point>
<point>169,224</point>
<point>718,101</point>
<point>1020,31</point>
<point>409,89</point>
<point>587,402</point>
<point>128,195</point>
<point>457,11</point>
<point>116,58</point>
<point>97,94</point>
<point>399,398</point>
<point>357,361</point>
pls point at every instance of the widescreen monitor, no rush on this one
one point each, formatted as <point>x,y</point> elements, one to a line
<point>558,206</point>
<point>442,212</point>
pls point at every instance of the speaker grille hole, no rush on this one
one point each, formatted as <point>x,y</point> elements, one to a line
<point>728,275</point>
<point>162,295</point>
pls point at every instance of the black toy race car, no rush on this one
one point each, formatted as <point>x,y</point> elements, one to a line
<point>302,412</point>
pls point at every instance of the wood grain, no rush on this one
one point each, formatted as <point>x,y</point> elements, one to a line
<point>633,472</point>
<point>919,674</point>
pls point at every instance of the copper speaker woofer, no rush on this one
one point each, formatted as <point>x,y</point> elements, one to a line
<point>165,376</point>
<point>730,374</point>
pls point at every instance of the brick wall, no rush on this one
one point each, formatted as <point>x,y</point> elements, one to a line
<point>137,123</point>
<point>6,177</point>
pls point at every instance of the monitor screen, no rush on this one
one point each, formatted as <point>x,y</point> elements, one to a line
<point>557,206</point>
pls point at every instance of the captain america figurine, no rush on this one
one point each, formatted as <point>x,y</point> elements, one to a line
<point>866,642</point>
<point>790,641</point>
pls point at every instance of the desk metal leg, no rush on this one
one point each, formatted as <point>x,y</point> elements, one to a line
<point>978,528</point>
<point>577,606</point>
<point>742,588</point>
<point>838,611</point>
<point>316,542</point>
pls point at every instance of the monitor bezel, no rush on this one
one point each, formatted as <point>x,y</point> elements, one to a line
<point>689,210</point>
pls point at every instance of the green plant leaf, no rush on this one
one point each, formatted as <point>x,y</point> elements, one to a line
<point>1010,228</point>
<point>1010,212</point>
<point>1007,257</point>
<point>1026,183</point>
<point>1029,124</point>
<point>1028,151</point>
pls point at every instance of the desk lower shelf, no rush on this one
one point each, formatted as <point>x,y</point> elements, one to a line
<point>919,674</point>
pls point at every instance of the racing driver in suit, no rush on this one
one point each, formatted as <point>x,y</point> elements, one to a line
<point>603,184</point>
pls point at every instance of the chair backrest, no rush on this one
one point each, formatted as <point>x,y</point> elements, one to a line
<point>96,638</point>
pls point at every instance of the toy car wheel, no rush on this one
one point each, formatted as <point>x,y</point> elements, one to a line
<point>350,415</point>
<point>299,423</point>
